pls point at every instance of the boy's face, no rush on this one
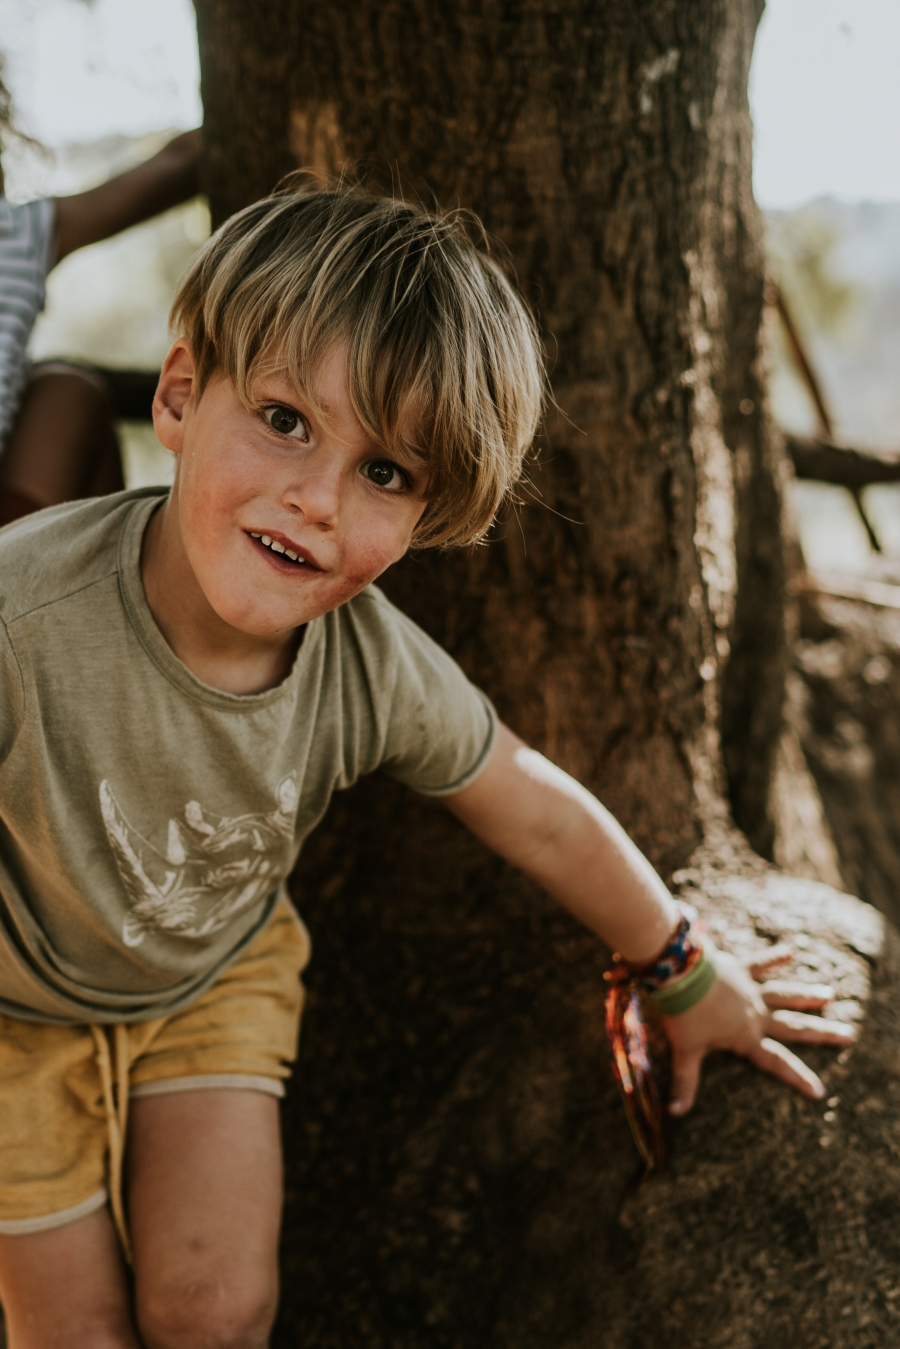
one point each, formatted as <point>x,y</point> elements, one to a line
<point>281,514</point>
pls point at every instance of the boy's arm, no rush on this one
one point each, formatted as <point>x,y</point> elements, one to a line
<point>545,823</point>
<point>170,177</point>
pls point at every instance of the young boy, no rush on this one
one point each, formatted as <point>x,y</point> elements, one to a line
<point>57,436</point>
<point>186,679</point>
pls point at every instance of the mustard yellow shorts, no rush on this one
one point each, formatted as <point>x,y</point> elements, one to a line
<point>64,1090</point>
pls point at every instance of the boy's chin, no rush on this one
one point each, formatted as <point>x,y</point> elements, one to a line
<point>266,622</point>
<point>256,613</point>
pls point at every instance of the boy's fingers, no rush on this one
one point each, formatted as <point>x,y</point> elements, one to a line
<point>811,1030</point>
<point>778,1060</point>
<point>798,997</point>
<point>685,1081</point>
<point>776,955</point>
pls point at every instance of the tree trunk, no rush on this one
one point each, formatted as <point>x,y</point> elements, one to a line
<point>457,1159</point>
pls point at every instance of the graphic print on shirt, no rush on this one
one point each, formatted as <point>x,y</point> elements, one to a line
<point>212,867</point>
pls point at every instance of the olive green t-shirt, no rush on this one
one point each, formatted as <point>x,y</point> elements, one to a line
<point>148,821</point>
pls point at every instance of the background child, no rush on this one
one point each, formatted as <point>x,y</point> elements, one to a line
<point>187,677</point>
<point>56,418</point>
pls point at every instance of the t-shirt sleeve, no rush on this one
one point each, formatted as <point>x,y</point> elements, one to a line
<point>440,728</point>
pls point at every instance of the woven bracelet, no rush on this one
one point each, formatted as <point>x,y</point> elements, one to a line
<point>682,952</point>
<point>684,993</point>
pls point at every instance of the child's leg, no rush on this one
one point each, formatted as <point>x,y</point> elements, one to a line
<point>63,445</point>
<point>205,1190</point>
<point>66,1288</point>
<point>205,1208</point>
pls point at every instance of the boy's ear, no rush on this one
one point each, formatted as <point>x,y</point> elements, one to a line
<point>174,392</point>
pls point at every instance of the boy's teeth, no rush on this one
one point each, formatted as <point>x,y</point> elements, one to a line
<point>277,547</point>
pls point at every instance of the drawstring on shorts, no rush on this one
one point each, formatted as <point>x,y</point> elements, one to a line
<point>113,1062</point>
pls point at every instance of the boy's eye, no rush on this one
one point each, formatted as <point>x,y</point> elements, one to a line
<point>285,421</point>
<point>385,474</point>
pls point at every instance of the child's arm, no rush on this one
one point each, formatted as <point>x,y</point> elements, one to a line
<point>545,823</point>
<point>170,177</point>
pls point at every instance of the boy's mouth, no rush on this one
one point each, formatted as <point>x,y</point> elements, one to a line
<point>284,552</point>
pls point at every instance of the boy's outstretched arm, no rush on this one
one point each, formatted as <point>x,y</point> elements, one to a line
<point>545,823</point>
<point>170,177</point>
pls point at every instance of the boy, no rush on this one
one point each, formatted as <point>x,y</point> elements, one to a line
<point>187,678</point>
<point>57,435</point>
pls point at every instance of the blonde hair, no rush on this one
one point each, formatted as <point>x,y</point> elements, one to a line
<point>445,363</point>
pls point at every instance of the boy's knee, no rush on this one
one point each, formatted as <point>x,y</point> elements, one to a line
<point>232,1312</point>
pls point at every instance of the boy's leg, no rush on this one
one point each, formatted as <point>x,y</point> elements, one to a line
<point>63,445</point>
<point>204,1197</point>
<point>66,1288</point>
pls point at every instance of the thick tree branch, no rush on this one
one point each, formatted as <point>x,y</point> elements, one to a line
<point>823,461</point>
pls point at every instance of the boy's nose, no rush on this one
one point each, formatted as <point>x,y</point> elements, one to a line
<point>316,496</point>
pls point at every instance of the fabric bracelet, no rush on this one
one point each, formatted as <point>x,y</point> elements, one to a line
<point>683,994</point>
<point>681,953</point>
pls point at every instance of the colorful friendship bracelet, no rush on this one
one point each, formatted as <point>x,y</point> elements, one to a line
<point>676,981</point>
<point>681,953</point>
<point>681,975</point>
<point>685,992</point>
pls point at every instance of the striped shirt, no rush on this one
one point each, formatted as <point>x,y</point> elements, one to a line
<point>26,244</point>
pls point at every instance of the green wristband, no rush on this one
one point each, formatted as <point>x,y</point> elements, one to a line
<point>685,993</point>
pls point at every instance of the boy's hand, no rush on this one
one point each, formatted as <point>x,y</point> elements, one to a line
<point>749,1015</point>
<point>541,820</point>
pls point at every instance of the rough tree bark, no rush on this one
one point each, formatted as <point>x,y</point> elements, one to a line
<point>456,1157</point>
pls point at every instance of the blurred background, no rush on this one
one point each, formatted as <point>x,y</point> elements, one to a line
<point>826,109</point>
<point>101,84</point>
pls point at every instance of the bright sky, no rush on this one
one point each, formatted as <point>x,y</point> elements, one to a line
<point>825,88</point>
<point>825,93</point>
<point>84,69</point>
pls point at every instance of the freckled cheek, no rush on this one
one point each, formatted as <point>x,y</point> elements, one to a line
<point>213,492</point>
<point>366,558</point>
<point>203,519</point>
